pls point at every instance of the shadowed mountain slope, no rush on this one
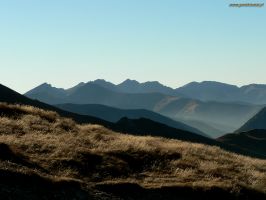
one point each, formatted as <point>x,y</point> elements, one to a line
<point>256,122</point>
<point>114,114</point>
<point>254,140</point>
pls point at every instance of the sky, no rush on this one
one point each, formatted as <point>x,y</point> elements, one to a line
<point>64,42</point>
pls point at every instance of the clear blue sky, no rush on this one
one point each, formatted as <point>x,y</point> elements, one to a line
<point>64,42</point>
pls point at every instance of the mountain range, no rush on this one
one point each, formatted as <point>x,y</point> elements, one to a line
<point>205,91</point>
<point>141,126</point>
<point>211,117</point>
<point>221,92</point>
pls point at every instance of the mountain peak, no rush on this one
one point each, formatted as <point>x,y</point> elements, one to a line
<point>81,84</point>
<point>45,85</point>
<point>45,89</point>
<point>100,81</point>
<point>130,81</point>
<point>103,83</point>
<point>153,83</point>
<point>129,84</point>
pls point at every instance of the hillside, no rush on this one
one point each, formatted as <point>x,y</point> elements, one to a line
<point>115,114</point>
<point>10,96</point>
<point>50,157</point>
<point>254,140</point>
<point>256,122</point>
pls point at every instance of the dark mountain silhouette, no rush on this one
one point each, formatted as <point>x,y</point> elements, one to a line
<point>254,140</point>
<point>143,126</point>
<point>114,114</point>
<point>256,122</point>
<point>226,117</point>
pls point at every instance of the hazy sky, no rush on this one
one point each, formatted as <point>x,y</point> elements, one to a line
<point>64,42</point>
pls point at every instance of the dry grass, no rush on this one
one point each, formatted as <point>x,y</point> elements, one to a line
<point>58,148</point>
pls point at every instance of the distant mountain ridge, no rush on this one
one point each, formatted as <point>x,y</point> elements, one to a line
<point>221,92</point>
<point>133,86</point>
<point>204,91</point>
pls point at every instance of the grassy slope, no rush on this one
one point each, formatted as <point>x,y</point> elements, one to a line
<point>44,156</point>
